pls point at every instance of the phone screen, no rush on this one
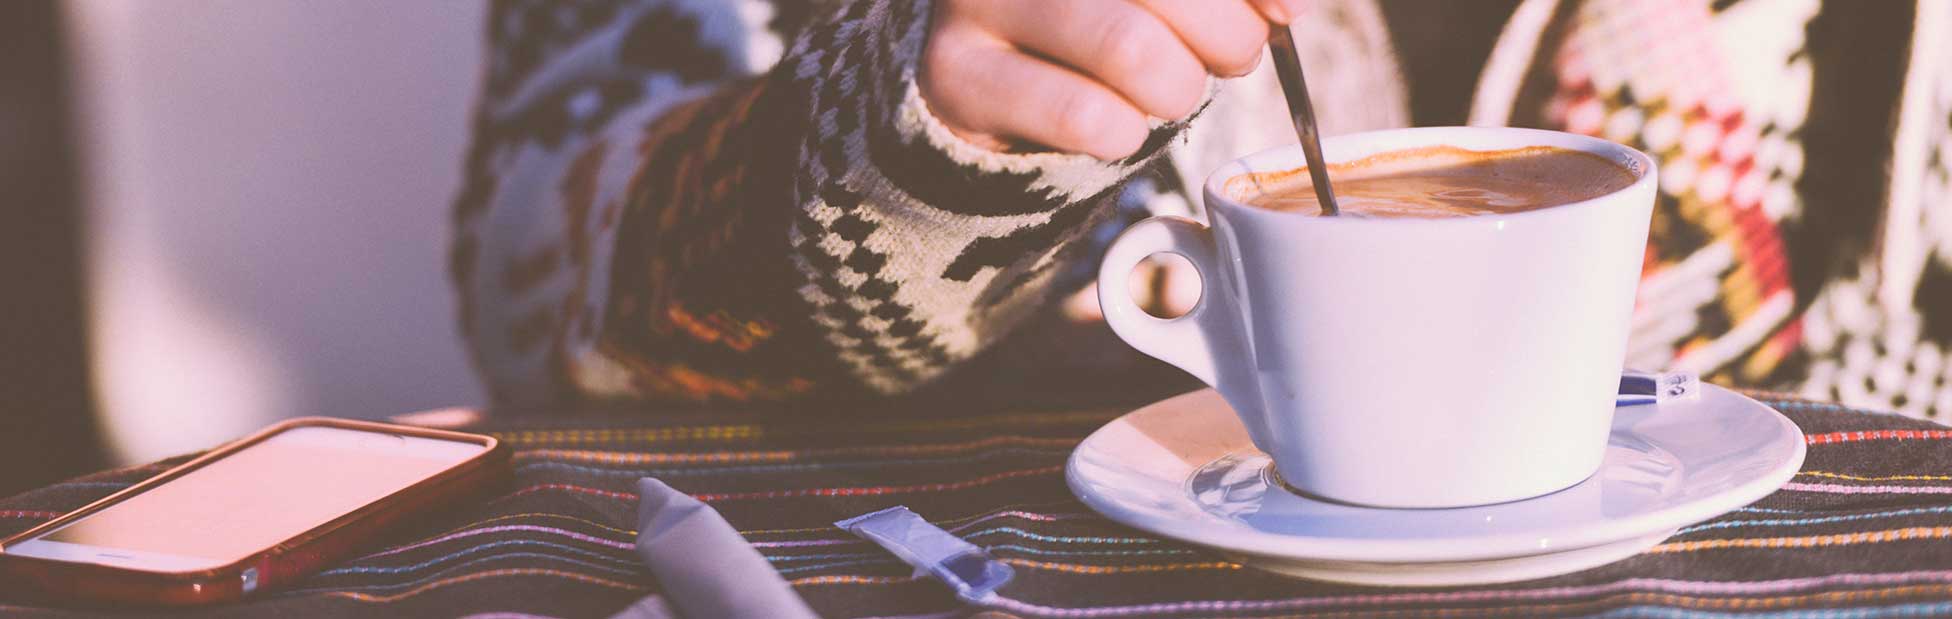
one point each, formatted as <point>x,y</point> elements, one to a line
<point>282,486</point>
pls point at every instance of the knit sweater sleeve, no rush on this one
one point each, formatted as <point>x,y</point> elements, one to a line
<point>667,201</point>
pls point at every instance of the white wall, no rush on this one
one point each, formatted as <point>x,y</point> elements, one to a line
<point>268,185</point>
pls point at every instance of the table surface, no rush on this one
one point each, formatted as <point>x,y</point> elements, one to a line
<point>1865,530</point>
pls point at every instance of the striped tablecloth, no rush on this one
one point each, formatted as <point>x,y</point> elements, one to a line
<point>1864,531</point>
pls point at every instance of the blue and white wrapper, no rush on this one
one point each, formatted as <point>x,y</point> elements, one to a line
<point>933,552</point>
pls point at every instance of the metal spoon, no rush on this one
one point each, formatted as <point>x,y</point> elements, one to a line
<point>1287,65</point>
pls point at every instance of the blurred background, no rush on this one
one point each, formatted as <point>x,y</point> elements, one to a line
<point>221,213</point>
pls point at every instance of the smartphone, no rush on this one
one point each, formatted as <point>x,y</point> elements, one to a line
<point>253,515</point>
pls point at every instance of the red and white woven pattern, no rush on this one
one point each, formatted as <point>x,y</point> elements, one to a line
<point>1675,79</point>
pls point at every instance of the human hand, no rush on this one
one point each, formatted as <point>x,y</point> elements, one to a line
<point>1082,76</point>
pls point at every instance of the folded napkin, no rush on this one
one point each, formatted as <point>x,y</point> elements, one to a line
<point>706,568</point>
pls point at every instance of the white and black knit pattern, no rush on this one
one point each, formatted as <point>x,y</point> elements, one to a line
<point>919,248</point>
<point>914,248</point>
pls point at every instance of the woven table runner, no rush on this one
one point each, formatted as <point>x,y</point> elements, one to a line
<point>1865,530</point>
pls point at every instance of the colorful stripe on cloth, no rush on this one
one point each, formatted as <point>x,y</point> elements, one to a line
<point>1865,530</point>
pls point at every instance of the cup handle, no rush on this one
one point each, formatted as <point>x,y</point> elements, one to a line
<point>1208,341</point>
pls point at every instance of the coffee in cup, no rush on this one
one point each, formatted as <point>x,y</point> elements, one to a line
<point>1456,338</point>
<point>1442,181</point>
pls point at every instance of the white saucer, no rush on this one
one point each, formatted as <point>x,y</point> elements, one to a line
<point>1183,468</point>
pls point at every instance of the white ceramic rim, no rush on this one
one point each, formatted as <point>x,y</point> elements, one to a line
<point>1217,533</point>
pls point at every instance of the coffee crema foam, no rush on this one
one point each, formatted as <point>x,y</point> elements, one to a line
<point>1441,181</point>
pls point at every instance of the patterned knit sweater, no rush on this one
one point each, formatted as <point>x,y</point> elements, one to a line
<point>747,200</point>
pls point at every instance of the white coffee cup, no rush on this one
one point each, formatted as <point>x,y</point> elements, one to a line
<point>1406,362</point>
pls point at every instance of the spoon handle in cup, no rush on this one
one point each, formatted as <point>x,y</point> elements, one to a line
<point>1287,66</point>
